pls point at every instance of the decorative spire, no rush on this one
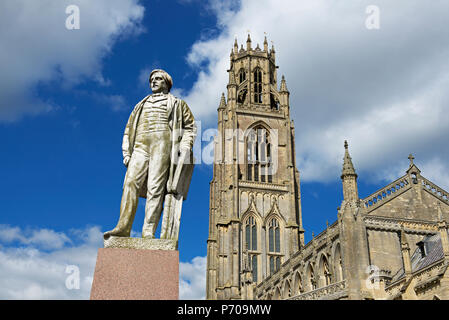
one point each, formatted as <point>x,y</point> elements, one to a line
<point>222,101</point>
<point>248,43</point>
<point>265,44</point>
<point>283,87</point>
<point>236,46</point>
<point>348,167</point>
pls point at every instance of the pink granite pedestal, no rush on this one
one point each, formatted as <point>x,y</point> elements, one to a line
<point>136,274</point>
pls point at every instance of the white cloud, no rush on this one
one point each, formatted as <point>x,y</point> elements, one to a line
<point>31,269</point>
<point>38,49</point>
<point>33,264</point>
<point>385,90</point>
<point>192,279</point>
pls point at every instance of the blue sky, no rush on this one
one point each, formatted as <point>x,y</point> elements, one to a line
<point>66,96</point>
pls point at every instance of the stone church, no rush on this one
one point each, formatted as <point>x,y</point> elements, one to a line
<point>392,244</point>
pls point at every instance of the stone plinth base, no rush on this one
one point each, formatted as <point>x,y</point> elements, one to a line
<point>136,274</point>
<point>140,243</point>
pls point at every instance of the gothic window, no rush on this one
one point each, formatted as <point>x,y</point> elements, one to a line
<point>257,86</point>
<point>274,245</point>
<point>254,267</point>
<point>259,157</point>
<point>251,233</point>
<point>242,75</point>
<point>275,264</point>
<point>274,237</point>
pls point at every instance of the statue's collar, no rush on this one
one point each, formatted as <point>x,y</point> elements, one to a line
<point>157,97</point>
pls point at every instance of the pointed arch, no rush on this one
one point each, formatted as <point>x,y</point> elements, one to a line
<point>251,235</point>
<point>297,284</point>
<point>311,283</point>
<point>324,271</point>
<point>286,291</point>
<point>277,294</point>
<point>337,263</point>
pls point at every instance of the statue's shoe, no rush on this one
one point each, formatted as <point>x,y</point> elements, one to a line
<point>116,233</point>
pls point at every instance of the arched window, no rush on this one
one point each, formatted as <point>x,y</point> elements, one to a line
<point>274,242</point>
<point>259,155</point>
<point>274,245</point>
<point>242,75</point>
<point>251,244</point>
<point>257,86</point>
<point>254,267</point>
<point>251,234</point>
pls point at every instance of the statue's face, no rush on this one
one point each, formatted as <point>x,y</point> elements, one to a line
<point>158,84</point>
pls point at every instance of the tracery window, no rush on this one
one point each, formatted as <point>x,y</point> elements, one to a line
<point>251,244</point>
<point>274,245</point>
<point>259,157</point>
<point>251,233</point>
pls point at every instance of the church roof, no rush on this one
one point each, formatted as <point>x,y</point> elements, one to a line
<point>433,252</point>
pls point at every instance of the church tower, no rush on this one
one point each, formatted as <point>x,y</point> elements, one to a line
<point>255,221</point>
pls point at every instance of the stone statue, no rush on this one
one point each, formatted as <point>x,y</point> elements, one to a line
<point>157,150</point>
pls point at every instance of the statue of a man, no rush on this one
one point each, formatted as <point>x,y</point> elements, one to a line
<point>157,149</point>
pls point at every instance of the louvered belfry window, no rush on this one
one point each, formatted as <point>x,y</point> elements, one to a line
<point>257,86</point>
<point>259,158</point>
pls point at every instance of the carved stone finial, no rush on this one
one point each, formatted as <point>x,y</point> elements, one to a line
<point>411,158</point>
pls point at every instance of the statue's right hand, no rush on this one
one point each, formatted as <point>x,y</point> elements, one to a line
<point>126,160</point>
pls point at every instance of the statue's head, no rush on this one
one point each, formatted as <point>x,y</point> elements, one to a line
<point>160,81</point>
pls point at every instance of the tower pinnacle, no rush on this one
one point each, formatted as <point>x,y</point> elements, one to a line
<point>348,167</point>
